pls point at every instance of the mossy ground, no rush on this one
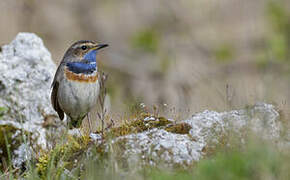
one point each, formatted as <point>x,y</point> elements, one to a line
<point>76,157</point>
<point>65,155</point>
<point>70,154</point>
<point>139,125</point>
<point>257,160</point>
<point>146,122</point>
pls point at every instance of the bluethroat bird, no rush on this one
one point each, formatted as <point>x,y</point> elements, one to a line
<point>75,88</point>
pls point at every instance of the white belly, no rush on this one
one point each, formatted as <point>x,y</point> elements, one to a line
<point>77,98</point>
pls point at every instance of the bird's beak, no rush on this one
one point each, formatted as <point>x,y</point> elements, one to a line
<point>100,46</point>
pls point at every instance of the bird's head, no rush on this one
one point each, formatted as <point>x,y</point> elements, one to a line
<point>84,51</point>
<point>81,56</point>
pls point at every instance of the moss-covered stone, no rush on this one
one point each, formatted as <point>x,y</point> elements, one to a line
<point>70,154</point>
<point>145,122</point>
<point>181,128</point>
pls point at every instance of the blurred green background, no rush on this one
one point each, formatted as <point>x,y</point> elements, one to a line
<point>189,54</point>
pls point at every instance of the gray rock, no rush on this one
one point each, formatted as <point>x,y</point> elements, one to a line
<point>26,74</point>
<point>207,128</point>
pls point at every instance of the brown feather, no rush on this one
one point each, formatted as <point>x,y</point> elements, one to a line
<point>54,100</point>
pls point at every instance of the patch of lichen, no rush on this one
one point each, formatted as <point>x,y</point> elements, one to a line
<point>181,128</point>
<point>10,140</point>
<point>138,125</point>
<point>62,156</point>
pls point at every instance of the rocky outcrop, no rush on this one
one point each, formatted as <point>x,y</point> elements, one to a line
<point>208,129</point>
<point>26,73</point>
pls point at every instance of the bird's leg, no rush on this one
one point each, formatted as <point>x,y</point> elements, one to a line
<point>90,124</point>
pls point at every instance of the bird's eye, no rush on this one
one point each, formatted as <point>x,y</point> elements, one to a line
<point>84,47</point>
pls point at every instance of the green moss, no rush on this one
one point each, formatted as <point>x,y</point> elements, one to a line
<point>139,125</point>
<point>42,165</point>
<point>146,122</point>
<point>181,128</point>
<point>63,156</point>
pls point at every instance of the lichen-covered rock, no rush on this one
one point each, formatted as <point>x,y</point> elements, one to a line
<point>26,73</point>
<point>207,130</point>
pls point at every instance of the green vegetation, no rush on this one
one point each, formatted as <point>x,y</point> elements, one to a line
<point>3,110</point>
<point>224,53</point>
<point>146,40</point>
<point>277,40</point>
<point>64,156</point>
<point>255,161</point>
<point>10,139</point>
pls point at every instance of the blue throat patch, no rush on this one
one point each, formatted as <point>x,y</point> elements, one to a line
<point>80,67</point>
<point>88,66</point>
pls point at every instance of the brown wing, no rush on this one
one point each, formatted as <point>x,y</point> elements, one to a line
<point>54,100</point>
